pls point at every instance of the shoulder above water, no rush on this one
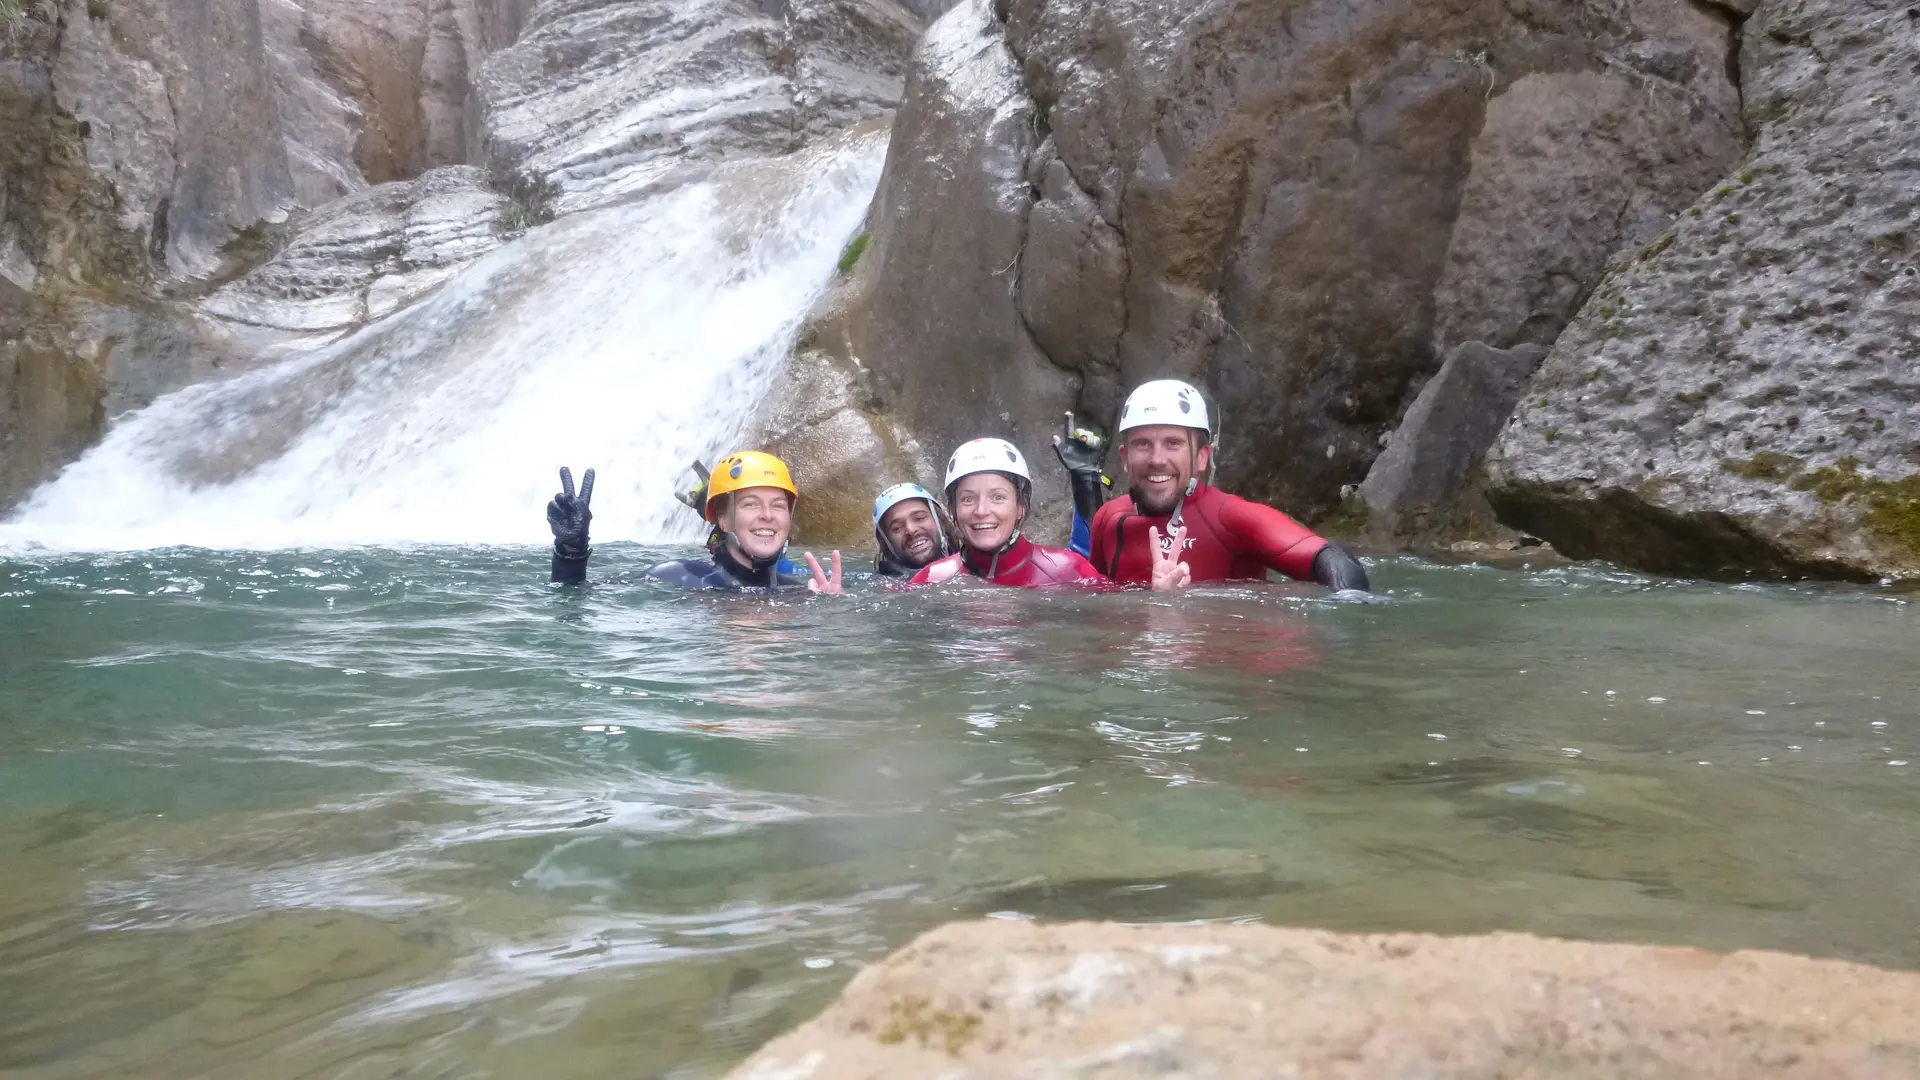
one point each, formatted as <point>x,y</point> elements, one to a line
<point>701,574</point>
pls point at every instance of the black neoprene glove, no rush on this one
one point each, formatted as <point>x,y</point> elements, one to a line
<point>568,515</point>
<point>1083,452</point>
<point>1337,569</point>
<point>695,497</point>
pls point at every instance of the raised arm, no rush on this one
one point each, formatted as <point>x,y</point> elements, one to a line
<point>568,515</point>
<point>1082,452</point>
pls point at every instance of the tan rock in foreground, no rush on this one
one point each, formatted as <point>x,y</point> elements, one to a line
<point>994,999</point>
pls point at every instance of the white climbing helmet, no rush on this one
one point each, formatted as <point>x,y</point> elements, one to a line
<point>1165,401</point>
<point>986,455</point>
<point>898,494</point>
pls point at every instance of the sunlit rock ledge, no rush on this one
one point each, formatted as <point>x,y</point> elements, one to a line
<point>1011,999</point>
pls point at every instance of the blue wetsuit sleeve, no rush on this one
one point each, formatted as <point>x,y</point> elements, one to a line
<point>1082,543</point>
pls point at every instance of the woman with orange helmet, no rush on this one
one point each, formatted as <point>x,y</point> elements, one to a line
<point>750,498</point>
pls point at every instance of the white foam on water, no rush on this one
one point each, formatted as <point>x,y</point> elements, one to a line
<point>629,339</point>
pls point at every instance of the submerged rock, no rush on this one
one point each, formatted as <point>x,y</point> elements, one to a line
<point>1301,206</point>
<point>1090,999</point>
<point>1743,394</point>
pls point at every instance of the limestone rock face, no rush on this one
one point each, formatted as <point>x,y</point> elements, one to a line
<point>261,172</point>
<point>177,110</point>
<point>1743,394</point>
<point>599,100</point>
<point>1300,206</point>
<point>365,255</point>
<point>932,312</point>
<point>1101,1000</point>
<point>1420,475</point>
<point>819,418</point>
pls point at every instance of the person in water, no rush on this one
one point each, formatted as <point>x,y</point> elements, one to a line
<point>749,504</point>
<point>989,492</point>
<point>1166,447</point>
<point>911,530</point>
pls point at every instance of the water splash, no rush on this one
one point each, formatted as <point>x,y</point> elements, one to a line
<point>630,339</point>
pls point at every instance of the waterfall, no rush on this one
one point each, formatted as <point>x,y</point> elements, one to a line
<point>628,339</point>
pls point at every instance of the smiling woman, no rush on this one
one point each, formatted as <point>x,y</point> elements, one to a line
<point>749,504</point>
<point>989,492</point>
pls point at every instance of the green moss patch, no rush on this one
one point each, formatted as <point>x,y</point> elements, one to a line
<point>915,1018</point>
<point>1893,506</point>
<point>851,256</point>
<point>1346,521</point>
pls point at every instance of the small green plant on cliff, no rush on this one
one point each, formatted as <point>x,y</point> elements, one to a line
<point>1765,465</point>
<point>1479,60</point>
<point>15,13</point>
<point>1347,520</point>
<point>1659,246</point>
<point>850,257</point>
<point>522,213</point>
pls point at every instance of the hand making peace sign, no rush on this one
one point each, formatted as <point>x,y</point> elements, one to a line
<point>1169,573</point>
<point>568,516</point>
<point>825,581</point>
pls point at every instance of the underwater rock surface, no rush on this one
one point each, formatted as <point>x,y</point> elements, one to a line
<point>996,998</point>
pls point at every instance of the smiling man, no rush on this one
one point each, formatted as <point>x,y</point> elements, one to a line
<point>911,530</point>
<point>1166,446</point>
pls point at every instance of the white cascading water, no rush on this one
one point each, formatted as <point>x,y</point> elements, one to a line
<point>630,339</point>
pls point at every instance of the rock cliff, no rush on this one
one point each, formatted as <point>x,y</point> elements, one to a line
<point>156,149</point>
<point>193,188</point>
<point>1741,396</point>
<point>1101,1000</point>
<point>1302,206</point>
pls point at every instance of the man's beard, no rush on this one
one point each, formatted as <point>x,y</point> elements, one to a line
<point>919,561</point>
<point>1150,509</point>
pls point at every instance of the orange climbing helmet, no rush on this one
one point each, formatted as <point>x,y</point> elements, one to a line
<point>748,469</point>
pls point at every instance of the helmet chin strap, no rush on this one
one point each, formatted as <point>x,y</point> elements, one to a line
<point>993,565</point>
<point>1193,484</point>
<point>1174,519</point>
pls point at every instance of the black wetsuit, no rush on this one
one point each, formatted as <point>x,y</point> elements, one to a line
<point>887,566</point>
<point>718,571</point>
<point>721,572</point>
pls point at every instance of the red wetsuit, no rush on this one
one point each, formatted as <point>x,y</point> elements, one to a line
<point>1228,538</point>
<point>1025,565</point>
